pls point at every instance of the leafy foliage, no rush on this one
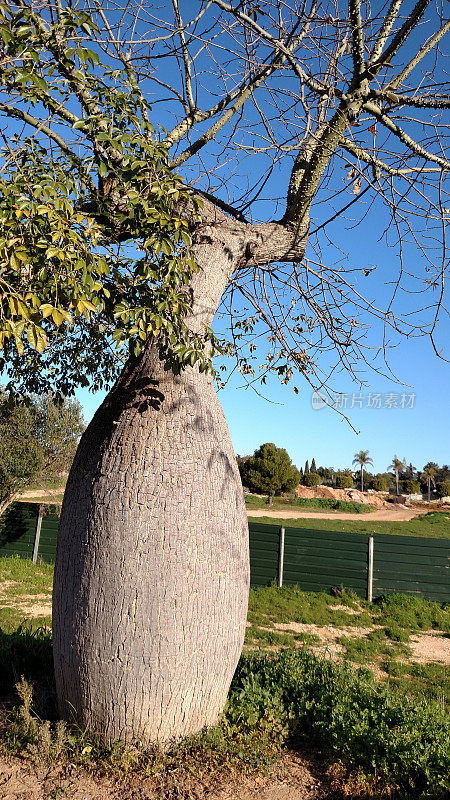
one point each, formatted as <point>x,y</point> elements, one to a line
<point>270,471</point>
<point>344,481</point>
<point>67,279</point>
<point>311,479</point>
<point>411,487</point>
<point>379,484</point>
<point>37,436</point>
<point>443,488</point>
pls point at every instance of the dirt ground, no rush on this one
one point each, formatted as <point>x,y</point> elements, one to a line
<point>293,778</point>
<point>391,514</point>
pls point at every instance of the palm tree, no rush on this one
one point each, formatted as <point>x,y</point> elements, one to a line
<point>397,466</point>
<point>362,458</point>
<point>428,475</point>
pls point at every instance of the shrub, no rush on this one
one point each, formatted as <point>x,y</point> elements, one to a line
<point>311,479</point>
<point>342,709</point>
<point>413,487</point>
<point>443,489</point>
<point>344,482</point>
<point>379,484</point>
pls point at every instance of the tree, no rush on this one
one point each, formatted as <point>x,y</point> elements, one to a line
<point>38,440</point>
<point>270,471</point>
<point>379,483</point>
<point>397,466</point>
<point>362,458</point>
<point>313,466</point>
<point>344,481</point>
<point>311,479</point>
<point>306,467</point>
<point>21,457</point>
<point>103,243</point>
<point>429,477</point>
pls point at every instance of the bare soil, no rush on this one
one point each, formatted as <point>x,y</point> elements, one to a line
<point>390,513</point>
<point>293,778</point>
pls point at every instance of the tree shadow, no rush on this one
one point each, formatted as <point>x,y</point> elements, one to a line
<point>28,652</point>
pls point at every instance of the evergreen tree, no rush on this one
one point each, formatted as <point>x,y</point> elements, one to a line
<point>313,465</point>
<point>271,471</point>
<point>306,467</point>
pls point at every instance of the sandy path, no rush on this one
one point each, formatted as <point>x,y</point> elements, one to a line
<point>394,514</point>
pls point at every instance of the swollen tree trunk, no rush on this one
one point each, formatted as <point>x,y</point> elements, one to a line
<point>152,568</point>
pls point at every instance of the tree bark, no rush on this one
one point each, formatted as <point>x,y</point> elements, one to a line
<point>152,565</point>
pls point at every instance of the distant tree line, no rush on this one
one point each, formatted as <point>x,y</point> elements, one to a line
<point>399,477</point>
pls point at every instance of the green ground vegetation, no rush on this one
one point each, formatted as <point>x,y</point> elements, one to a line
<point>254,501</point>
<point>390,736</point>
<point>434,525</point>
<point>391,621</point>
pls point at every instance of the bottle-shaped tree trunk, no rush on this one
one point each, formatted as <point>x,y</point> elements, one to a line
<point>152,568</point>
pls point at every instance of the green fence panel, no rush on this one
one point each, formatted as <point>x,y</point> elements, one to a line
<point>321,560</point>
<point>17,530</point>
<point>412,566</point>
<point>49,534</point>
<point>264,544</point>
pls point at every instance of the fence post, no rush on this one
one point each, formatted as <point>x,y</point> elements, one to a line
<point>37,534</point>
<point>280,557</point>
<point>370,569</point>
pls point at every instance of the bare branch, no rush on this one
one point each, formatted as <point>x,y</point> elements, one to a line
<point>385,30</point>
<point>399,79</point>
<point>414,146</point>
<point>354,7</point>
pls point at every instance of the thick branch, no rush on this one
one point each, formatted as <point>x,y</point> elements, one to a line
<point>385,30</point>
<point>354,7</point>
<point>364,155</point>
<point>414,146</point>
<point>398,80</point>
<point>419,101</point>
<point>400,37</point>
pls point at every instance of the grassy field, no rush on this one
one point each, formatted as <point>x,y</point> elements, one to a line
<point>435,525</point>
<point>377,635</point>
<point>254,501</point>
<point>385,738</point>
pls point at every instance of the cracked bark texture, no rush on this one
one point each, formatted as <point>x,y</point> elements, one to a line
<point>152,565</point>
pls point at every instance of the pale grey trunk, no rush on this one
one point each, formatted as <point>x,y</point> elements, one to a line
<point>152,568</point>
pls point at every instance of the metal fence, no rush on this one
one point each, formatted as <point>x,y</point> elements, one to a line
<point>30,531</point>
<point>368,565</point>
<point>315,560</point>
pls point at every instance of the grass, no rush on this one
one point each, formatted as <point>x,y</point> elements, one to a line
<point>392,738</point>
<point>434,525</point>
<point>253,501</point>
<point>28,578</point>
<point>393,619</point>
<point>21,579</point>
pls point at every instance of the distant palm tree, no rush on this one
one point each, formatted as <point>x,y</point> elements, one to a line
<point>397,466</point>
<point>362,458</point>
<point>428,475</point>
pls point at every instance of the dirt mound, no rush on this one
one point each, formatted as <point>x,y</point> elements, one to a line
<point>347,495</point>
